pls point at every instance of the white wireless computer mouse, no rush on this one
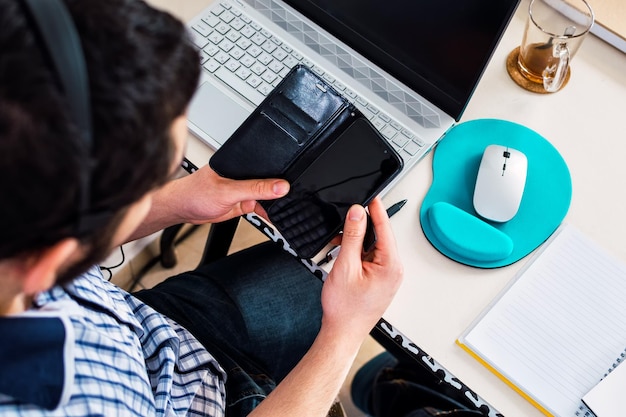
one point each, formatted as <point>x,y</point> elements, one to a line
<point>500,183</point>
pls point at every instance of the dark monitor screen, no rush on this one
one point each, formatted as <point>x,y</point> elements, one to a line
<point>438,48</point>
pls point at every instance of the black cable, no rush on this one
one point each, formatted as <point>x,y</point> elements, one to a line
<point>110,269</point>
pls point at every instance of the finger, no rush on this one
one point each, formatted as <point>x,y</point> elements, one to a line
<point>382,225</point>
<point>262,189</point>
<point>354,231</point>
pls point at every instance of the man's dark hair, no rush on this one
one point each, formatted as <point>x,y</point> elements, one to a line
<point>142,70</point>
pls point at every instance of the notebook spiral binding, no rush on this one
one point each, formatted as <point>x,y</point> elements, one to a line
<point>583,410</point>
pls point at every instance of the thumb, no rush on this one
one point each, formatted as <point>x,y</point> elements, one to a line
<point>265,189</point>
<point>354,231</point>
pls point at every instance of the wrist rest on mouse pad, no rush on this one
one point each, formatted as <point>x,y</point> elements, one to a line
<point>447,215</point>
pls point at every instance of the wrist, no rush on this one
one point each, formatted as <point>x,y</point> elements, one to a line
<point>346,336</point>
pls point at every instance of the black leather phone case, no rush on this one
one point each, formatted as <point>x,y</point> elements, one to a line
<point>289,130</point>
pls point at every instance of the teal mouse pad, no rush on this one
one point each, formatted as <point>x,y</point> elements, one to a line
<point>447,215</point>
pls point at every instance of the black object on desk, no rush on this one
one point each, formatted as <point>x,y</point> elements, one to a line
<point>308,134</point>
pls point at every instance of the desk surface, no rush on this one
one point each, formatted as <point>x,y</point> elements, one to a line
<point>585,122</point>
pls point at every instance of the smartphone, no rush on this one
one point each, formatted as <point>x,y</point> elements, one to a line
<point>352,170</point>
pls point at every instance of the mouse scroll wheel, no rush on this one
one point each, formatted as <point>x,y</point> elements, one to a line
<point>506,154</point>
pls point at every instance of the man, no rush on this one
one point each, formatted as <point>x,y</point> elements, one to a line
<point>255,334</point>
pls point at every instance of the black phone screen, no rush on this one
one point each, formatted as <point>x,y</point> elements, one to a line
<point>352,170</point>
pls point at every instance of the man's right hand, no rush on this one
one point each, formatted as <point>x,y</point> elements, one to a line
<point>360,287</point>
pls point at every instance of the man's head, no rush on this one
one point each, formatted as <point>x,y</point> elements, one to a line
<point>142,72</point>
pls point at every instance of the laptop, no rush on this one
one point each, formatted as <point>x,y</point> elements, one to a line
<point>409,66</point>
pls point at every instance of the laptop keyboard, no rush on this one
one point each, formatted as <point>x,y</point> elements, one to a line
<point>251,60</point>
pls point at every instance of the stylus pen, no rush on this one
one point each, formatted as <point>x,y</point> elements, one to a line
<point>334,251</point>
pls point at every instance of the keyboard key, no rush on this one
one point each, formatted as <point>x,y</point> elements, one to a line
<point>211,20</point>
<point>269,46</point>
<point>233,36</point>
<point>412,148</point>
<point>211,65</point>
<point>227,17</point>
<point>362,102</point>
<point>265,89</point>
<point>226,45</point>
<point>280,54</point>
<point>265,58</point>
<point>372,109</point>
<point>329,78</point>
<point>242,87</point>
<point>211,49</point>
<point>276,66</point>
<point>368,113</point>
<point>269,76</point>
<point>283,73</point>
<point>401,140</point>
<point>290,61</point>
<point>232,65</point>
<point>258,68</point>
<point>258,39</point>
<point>218,10</point>
<point>222,28</point>
<point>407,134</point>
<point>247,60</point>
<point>243,73</point>
<point>221,57</point>
<point>389,132</point>
<point>202,28</point>
<point>254,51</point>
<point>199,40</point>
<point>244,43</point>
<point>237,24</point>
<point>237,53</point>
<point>215,37</point>
<point>204,57</point>
<point>247,31</point>
<point>338,86</point>
<point>254,81</point>
<point>385,118</point>
<point>378,123</point>
<point>419,142</point>
<point>350,93</point>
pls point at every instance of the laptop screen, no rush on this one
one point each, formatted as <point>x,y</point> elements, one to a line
<point>438,48</point>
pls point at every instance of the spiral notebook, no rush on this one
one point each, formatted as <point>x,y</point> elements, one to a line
<point>605,399</point>
<point>559,327</point>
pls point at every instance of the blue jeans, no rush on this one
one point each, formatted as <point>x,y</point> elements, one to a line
<point>257,312</point>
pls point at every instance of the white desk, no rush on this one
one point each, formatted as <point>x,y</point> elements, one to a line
<point>585,122</point>
<point>439,297</point>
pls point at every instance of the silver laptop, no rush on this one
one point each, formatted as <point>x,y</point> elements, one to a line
<point>411,66</point>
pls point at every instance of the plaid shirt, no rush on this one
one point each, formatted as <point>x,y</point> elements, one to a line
<point>104,353</point>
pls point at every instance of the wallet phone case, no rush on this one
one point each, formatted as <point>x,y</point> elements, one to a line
<point>301,132</point>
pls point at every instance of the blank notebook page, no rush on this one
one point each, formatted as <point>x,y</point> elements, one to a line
<point>560,325</point>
